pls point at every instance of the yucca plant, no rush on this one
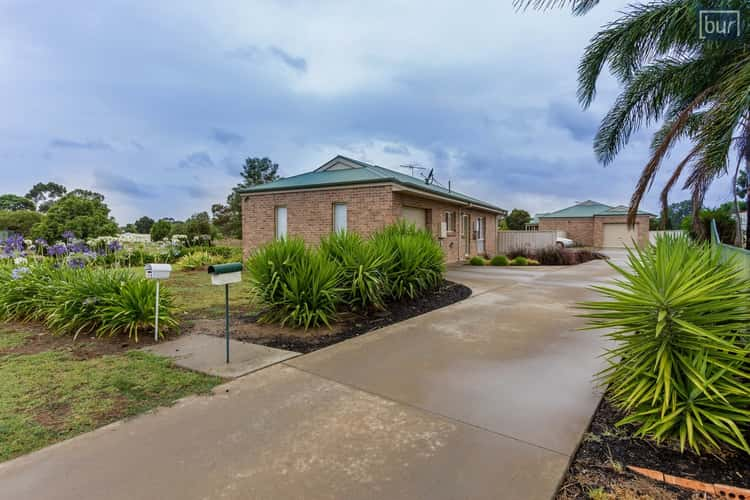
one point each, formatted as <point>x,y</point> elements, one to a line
<point>363,281</point>
<point>309,293</point>
<point>679,317</point>
<point>417,265</point>
<point>268,266</point>
<point>131,309</point>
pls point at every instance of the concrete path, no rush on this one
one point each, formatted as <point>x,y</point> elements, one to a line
<point>486,398</point>
<point>207,354</point>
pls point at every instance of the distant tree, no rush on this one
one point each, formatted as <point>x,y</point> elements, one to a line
<point>161,230</point>
<point>725,224</point>
<point>85,216</point>
<point>258,171</point>
<point>129,228</point>
<point>19,221</point>
<point>677,213</point>
<point>228,217</point>
<point>87,195</point>
<point>143,225</point>
<point>15,202</point>
<point>44,194</point>
<point>198,228</point>
<point>742,186</point>
<point>517,219</point>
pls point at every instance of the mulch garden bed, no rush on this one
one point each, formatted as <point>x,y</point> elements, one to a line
<point>247,329</point>
<point>606,451</point>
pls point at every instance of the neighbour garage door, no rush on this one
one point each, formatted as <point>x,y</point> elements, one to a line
<point>414,215</point>
<point>618,235</point>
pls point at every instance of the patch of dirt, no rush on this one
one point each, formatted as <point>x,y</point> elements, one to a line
<point>53,416</point>
<point>40,339</point>
<point>247,329</point>
<point>606,450</point>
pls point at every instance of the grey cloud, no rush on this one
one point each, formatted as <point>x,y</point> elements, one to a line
<point>295,62</point>
<point>399,149</point>
<point>226,137</point>
<point>108,181</point>
<point>582,125</point>
<point>199,159</point>
<point>253,53</point>
<point>88,145</point>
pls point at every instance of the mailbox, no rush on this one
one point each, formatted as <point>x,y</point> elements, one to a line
<point>158,271</point>
<point>223,274</point>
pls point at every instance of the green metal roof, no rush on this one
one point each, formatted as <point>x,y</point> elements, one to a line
<point>366,173</point>
<point>589,208</point>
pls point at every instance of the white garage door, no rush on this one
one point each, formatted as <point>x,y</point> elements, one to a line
<point>618,235</point>
<point>415,215</point>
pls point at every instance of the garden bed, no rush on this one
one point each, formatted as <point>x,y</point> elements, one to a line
<point>247,329</point>
<point>600,465</point>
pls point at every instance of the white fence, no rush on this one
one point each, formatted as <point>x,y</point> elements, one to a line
<point>511,240</point>
<point>655,234</point>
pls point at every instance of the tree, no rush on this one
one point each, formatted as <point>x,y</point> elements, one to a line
<point>83,216</point>
<point>676,213</point>
<point>143,225</point>
<point>517,219</point>
<point>161,230</point>
<point>228,218</point>
<point>19,221</point>
<point>258,171</point>
<point>44,194</point>
<point>696,88</point>
<point>198,227</point>
<point>14,202</point>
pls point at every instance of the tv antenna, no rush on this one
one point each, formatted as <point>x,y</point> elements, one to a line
<point>412,167</point>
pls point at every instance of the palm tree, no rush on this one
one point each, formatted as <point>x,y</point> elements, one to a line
<point>699,90</point>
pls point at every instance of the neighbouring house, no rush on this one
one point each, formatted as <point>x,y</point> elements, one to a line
<point>595,224</point>
<point>346,194</point>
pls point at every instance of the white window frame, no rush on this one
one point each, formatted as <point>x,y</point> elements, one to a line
<point>281,225</point>
<point>450,220</point>
<point>339,225</point>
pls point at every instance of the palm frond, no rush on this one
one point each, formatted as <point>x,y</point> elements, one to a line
<point>578,7</point>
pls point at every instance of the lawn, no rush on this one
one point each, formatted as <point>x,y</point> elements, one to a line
<point>52,389</point>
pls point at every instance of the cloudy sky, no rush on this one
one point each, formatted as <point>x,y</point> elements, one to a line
<point>156,104</point>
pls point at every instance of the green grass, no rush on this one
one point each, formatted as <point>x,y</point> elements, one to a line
<point>10,339</point>
<point>195,296</point>
<point>51,396</point>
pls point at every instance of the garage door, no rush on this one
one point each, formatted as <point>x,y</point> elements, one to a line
<point>618,235</point>
<point>414,215</point>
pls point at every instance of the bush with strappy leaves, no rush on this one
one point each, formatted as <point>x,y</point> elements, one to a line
<point>679,319</point>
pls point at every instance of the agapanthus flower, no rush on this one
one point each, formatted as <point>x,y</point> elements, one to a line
<point>76,263</point>
<point>40,242</point>
<point>20,260</point>
<point>69,235</point>
<point>114,246</point>
<point>57,249</point>
<point>18,272</point>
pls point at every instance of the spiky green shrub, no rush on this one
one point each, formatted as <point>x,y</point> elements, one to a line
<point>417,260</point>
<point>269,265</point>
<point>499,260</point>
<point>131,309</point>
<point>196,260</point>
<point>679,320</point>
<point>297,286</point>
<point>519,261</point>
<point>363,281</point>
<point>476,261</point>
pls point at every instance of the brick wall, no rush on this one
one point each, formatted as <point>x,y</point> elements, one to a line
<point>310,213</point>
<point>453,246</point>
<point>580,230</point>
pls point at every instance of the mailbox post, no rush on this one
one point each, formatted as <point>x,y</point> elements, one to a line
<point>224,274</point>
<point>157,272</point>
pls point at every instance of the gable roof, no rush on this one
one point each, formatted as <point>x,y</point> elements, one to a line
<point>589,208</point>
<point>343,171</point>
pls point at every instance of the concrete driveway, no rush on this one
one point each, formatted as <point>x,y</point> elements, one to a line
<point>486,398</point>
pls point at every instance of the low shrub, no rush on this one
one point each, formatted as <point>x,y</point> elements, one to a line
<point>519,261</point>
<point>533,262</point>
<point>476,261</point>
<point>679,320</point>
<point>363,279</point>
<point>416,265</point>
<point>91,300</point>
<point>201,257</point>
<point>551,256</point>
<point>499,260</point>
<point>269,266</point>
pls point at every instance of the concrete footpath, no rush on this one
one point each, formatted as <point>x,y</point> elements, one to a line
<point>486,398</point>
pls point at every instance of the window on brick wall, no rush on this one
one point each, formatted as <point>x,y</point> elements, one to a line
<point>280,222</point>
<point>339,217</point>
<point>450,221</point>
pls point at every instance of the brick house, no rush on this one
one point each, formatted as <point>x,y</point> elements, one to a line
<point>595,224</point>
<point>361,197</point>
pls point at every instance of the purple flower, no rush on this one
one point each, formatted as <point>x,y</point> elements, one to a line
<point>18,272</point>
<point>76,263</point>
<point>114,246</point>
<point>69,235</point>
<point>41,242</point>
<point>57,249</point>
